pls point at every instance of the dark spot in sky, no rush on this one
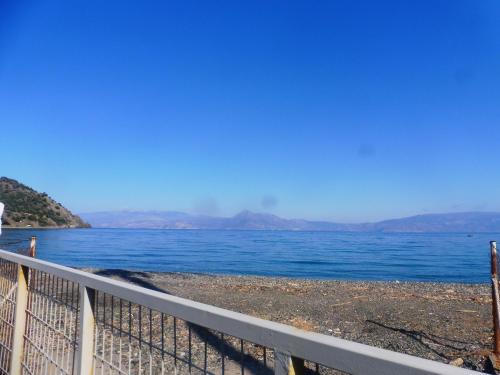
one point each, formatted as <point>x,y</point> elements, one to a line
<point>463,76</point>
<point>269,202</point>
<point>206,206</point>
<point>366,150</point>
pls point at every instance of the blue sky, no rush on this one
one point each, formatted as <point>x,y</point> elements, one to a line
<point>339,110</point>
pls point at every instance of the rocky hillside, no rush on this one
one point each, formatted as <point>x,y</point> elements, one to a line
<point>25,207</point>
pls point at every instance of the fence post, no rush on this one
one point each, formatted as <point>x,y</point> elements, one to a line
<point>285,364</point>
<point>19,320</point>
<point>85,356</point>
<point>32,249</point>
<point>495,301</point>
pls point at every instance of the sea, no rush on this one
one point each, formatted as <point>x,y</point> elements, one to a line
<point>436,257</point>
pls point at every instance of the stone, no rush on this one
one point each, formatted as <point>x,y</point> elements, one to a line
<point>458,362</point>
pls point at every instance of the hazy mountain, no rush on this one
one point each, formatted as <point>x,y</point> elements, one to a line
<point>138,219</point>
<point>25,207</point>
<point>453,222</point>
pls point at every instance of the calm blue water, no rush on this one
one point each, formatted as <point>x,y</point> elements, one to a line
<point>319,255</point>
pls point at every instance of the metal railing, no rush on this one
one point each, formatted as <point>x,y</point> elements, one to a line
<point>58,320</point>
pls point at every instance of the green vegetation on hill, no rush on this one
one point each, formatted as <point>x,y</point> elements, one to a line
<point>25,207</point>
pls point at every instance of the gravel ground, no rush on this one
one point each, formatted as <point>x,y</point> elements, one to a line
<point>438,321</point>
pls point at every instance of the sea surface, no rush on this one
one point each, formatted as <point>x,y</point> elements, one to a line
<point>454,257</point>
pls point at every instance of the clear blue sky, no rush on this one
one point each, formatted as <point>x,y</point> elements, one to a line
<point>342,110</point>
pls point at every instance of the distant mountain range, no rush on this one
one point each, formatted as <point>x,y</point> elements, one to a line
<point>468,222</point>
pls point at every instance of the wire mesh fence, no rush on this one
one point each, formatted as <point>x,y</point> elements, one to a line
<point>50,338</point>
<point>8,278</point>
<point>132,339</point>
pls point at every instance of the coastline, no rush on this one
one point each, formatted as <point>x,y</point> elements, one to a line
<point>445,322</point>
<point>6,227</point>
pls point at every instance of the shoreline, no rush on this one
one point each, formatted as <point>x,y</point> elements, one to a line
<point>441,321</point>
<point>6,227</point>
<point>283,278</point>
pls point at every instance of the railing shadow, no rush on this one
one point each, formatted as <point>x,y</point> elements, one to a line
<point>135,277</point>
<point>421,337</point>
<point>234,354</point>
